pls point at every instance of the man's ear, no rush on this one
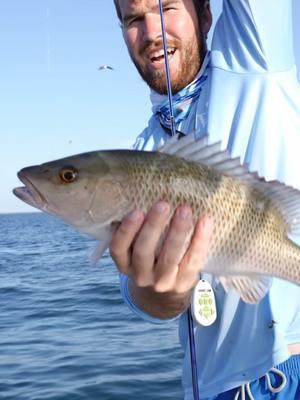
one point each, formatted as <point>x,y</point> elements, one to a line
<point>206,18</point>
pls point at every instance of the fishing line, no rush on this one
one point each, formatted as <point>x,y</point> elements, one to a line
<point>168,78</point>
<point>173,130</point>
<point>193,355</point>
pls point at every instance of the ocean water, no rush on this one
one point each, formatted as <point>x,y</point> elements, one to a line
<point>65,333</point>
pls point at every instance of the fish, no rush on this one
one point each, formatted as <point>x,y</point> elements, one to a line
<point>253,219</point>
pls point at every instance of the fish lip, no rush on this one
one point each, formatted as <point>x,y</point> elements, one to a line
<point>29,193</point>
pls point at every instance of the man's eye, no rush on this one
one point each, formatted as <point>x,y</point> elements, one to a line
<point>132,21</point>
<point>166,9</point>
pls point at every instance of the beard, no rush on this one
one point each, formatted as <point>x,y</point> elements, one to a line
<point>191,56</point>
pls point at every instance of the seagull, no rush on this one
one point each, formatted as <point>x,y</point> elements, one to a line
<point>105,67</point>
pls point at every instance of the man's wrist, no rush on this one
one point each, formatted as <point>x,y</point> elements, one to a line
<point>159,305</point>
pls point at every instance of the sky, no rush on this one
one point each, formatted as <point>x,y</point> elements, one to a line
<point>54,101</point>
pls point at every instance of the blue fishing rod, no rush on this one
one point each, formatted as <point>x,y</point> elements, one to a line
<point>168,77</point>
<point>173,130</point>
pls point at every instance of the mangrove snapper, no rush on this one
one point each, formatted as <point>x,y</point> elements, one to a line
<point>252,218</point>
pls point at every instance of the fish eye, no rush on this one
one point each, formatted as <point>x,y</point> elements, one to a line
<point>68,174</point>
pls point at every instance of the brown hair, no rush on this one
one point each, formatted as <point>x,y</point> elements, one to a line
<point>198,4</point>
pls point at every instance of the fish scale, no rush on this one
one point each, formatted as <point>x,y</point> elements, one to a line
<point>242,233</point>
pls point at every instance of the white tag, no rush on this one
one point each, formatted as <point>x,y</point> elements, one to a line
<point>204,308</point>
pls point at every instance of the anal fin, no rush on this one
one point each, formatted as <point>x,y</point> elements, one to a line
<point>251,290</point>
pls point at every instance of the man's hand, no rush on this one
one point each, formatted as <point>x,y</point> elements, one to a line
<point>161,284</point>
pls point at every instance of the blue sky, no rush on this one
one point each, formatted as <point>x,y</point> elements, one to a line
<point>53,100</point>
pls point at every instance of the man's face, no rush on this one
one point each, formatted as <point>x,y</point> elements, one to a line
<point>185,38</point>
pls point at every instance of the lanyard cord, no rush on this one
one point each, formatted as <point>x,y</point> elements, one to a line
<point>173,130</point>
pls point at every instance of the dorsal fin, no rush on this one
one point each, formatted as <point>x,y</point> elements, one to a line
<point>285,198</point>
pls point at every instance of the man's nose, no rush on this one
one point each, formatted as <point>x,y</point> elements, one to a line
<point>152,27</point>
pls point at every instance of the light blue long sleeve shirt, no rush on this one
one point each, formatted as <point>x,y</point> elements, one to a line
<point>251,102</point>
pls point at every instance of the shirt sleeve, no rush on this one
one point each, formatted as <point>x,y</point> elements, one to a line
<point>254,36</point>
<point>134,308</point>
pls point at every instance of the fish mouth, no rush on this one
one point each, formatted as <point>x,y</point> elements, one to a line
<point>29,193</point>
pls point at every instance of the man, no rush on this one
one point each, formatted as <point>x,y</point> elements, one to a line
<point>245,94</point>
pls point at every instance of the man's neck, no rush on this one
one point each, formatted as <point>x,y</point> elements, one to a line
<point>157,98</point>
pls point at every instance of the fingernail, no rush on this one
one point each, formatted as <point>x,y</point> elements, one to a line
<point>134,215</point>
<point>161,207</point>
<point>185,212</point>
<point>206,223</point>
